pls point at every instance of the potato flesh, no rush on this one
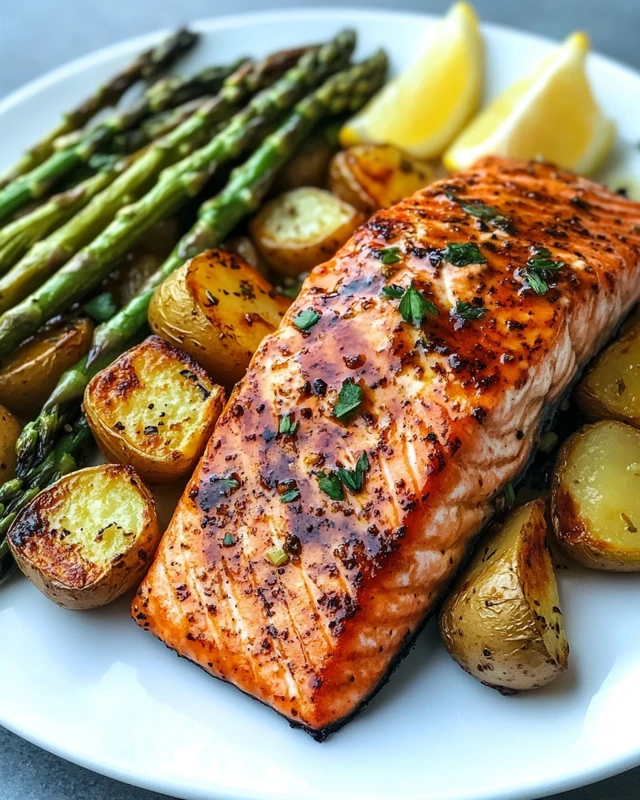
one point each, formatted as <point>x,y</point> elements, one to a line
<point>304,215</point>
<point>603,477</point>
<point>169,405</point>
<point>612,388</point>
<point>303,228</point>
<point>101,515</point>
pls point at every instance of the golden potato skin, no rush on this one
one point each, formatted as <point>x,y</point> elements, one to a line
<point>371,176</point>
<point>502,622</point>
<point>611,388</point>
<point>217,309</point>
<point>302,228</point>
<point>155,409</point>
<point>595,497</point>
<point>9,431</point>
<point>28,377</point>
<point>87,538</point>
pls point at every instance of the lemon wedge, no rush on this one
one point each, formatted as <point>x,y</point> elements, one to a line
<point>423,109</point>
<point>551,114</point>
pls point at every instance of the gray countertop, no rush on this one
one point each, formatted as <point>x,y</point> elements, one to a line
<point>37,35</point>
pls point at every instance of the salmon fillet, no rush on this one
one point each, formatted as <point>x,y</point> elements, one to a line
<point>446,411</point>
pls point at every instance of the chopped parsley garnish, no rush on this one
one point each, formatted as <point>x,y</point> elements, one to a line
<point>228,540</point>
<point>306,319</point>
<point>414,306</point>
<point>286,426</point>
<point>349,399</point>
<point>537,266</point>
<point>392,291</point>
<point>509,494</point>
<point>353,479</point>
<point>460,254</point>
<point>469,312</point>
<point>290,496</point>
<point>101,308</point>
<point>390,255</point>
<point>331,485</point>
<point>481,210</point>
<point>277,556</point>
<point>226,485</point>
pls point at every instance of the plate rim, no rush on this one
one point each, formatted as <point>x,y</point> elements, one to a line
<point>168,786</point>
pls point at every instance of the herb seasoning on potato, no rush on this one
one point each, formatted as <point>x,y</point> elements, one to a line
<point>154,408</point>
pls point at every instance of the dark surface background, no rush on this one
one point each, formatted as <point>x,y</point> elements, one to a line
<point>38,35</point>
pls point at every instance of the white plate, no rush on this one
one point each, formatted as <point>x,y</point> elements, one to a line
<point>94,688</point>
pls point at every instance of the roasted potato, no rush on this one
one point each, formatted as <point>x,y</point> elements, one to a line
<point>28,377</point>
<point>595,498</point>
<point>611,388</point>
<point>309,166</point>
<point>9,431</point>
<point>218,309</point>
<point>372,176</point>
<point>155,409</point>
<point>302,228</point>
<point>88,538</point>
<point>502,622</point>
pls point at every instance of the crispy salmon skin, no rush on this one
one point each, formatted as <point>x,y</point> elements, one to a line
<point>364,449</point>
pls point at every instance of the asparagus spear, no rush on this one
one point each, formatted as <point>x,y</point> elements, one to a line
<point>37,448</point>
<point>144,67</point>
<point>17,237</point>
<point>175,186</point>
<point>161,96</point>
<point>47,255</point>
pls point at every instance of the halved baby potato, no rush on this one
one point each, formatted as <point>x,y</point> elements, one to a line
<point>155,409</point>
<point>218,309</point>
<point>502,622</point>
<point>372,176</point>
<point>9,431</point>
<point>595,499</point>
<point>611,388</point>
<point>29,375</point>
<point>302,228</point>
<point>87,538</point>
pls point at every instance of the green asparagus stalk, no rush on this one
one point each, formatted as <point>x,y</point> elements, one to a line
<point>17,237</point>
<point>346,91</point>
<point>175,186</point>
<point>51,253</point>
<point>161,96</point>
<point>145,67</point>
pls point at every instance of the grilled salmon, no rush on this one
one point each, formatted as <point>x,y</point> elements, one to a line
<point>374,430</point>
